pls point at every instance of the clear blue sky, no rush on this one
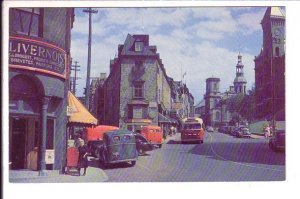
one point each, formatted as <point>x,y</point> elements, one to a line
<point>203,41</point>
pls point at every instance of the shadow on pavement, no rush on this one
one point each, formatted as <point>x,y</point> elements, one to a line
<point>97,164</point>
<point>244,152</point>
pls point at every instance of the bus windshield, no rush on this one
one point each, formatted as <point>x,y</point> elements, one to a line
<point>192,126</point>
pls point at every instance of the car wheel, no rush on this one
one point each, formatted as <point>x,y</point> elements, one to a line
<point>141,151</point>
<point>132,163</point>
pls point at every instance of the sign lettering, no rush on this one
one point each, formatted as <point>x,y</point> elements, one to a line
<point>33,54</point>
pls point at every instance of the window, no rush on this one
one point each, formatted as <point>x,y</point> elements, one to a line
<point>138,46</point>
<point>138,91</point>
<point>26,21</point>
<point>277,51</point>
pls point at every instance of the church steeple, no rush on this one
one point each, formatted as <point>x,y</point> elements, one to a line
<point>239,81</point>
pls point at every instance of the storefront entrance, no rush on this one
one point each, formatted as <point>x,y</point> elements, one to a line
<point>24,137</point>
<point>18,137</point>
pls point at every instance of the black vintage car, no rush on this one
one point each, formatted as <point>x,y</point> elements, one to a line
<point>142,144</point>
<point>95,147</point>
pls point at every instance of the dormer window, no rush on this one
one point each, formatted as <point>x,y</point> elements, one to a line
<point>138,46</point>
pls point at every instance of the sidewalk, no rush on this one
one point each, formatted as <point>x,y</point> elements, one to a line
<point>257,136</point>
<point>27,176</point>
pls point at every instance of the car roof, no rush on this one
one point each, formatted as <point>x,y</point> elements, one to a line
<point>117,132</point>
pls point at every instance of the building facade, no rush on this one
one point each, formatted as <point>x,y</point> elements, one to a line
<point>270,66</point>
<point>39,67</point>
<point>212,98</point>
<point>137,91</point>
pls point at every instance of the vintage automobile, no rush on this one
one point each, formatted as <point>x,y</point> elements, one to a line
<point>277,141</point>
<point>241,131</point>
<point>118,146</point>
<point>95,147</point>
<point>209,129</point>
<point>153,134</point>
<point>142,144</point>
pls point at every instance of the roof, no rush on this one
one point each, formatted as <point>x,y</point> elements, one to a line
<point>123,131</point>
<point>165,119</point>
<point>78,113</point>
<point>277,12</point>
<point>274,12</point>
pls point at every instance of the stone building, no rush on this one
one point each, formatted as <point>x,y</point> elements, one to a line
<point>137,91</point>
<point>39,68</point>
<point>212,98</point>
<point>216,112</point>
<point>270,66</point>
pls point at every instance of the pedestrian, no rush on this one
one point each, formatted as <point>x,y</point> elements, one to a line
<point>172,130</point>
<point>77,139</point>
<point>267,131</point>
<point>164,133</point>
<point>83,157</point>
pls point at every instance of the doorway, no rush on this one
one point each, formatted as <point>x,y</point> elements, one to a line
<point>17,144</point>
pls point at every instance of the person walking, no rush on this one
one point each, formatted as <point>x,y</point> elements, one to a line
<point>267,131</point>
<point>83,157</point>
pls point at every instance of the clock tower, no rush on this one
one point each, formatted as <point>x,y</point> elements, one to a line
<point>270,66</point>
<point>273,25</point>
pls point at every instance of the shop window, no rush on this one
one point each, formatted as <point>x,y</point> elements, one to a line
<point>26,21</point>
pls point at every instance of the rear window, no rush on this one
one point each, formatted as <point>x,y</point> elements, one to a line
<point>116,138</point>
<point>126,137</point>
<point>192,126</point>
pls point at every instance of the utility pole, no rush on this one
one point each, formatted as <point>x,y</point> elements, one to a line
<point>75,68</point>
<point>90,11</point>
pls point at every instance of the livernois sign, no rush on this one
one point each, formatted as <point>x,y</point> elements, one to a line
<point>36,55</point>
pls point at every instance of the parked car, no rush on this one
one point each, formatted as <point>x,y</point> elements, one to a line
<point>241,131</point>
<point>153,134</point>
<point>223,129</point>
<point>209,129</point>
<point>118,146</point>
<point>95,147</point>
<point>142,144</point>
<point>277,141</point>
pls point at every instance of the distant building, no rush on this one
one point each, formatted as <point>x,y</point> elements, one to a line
<point>212,98</point>
<point>216,112</point>
<point>240,81</point>
<point>270,66</point>
<point>137,91</point>
<point>200,109</point>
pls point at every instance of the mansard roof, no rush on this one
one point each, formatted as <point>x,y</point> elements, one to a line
<point>129,46</point>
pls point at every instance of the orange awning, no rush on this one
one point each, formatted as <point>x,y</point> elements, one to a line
<point>78,113</point>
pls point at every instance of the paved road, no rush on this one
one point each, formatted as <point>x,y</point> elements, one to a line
<point>220,158</point>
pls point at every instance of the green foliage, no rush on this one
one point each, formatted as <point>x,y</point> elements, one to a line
<point>242,105</point>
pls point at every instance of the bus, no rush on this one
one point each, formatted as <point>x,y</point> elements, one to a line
<point>192,130</point>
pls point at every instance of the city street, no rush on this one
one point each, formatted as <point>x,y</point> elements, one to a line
<point>220,158</point>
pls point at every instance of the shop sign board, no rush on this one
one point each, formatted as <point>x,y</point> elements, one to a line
<point>37,55</point>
